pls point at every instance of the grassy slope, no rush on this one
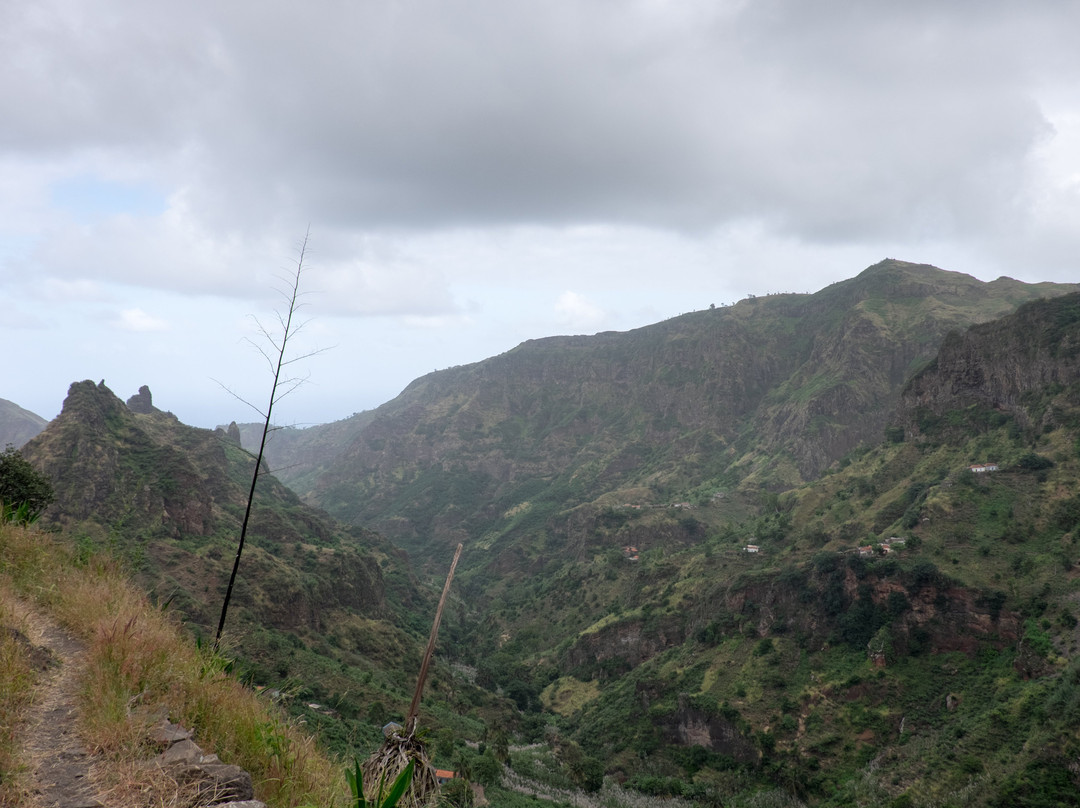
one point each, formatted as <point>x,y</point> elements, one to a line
<point>763,394</point>
<point>757,640</point>
<point>976,620</point>
<point>16,687</point>
<point>139,656</point>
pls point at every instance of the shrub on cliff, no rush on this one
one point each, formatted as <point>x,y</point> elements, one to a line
<point>24,493</point>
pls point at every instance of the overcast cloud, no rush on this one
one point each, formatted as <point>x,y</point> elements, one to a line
<point>477,172</point>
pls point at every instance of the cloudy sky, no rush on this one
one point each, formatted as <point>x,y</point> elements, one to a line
<point>475,173</point>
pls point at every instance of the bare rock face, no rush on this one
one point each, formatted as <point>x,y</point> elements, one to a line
<point>230,434</point>
<point>142,402</point>
<point>995,365</point>
<point>626,644</point>
<point>213,782</point>
<point>693,727</point>
<point>216,783</point>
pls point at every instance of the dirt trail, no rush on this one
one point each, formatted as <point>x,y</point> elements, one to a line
<point>59,764</point>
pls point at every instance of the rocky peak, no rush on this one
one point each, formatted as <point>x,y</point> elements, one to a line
<point>142,402</point>
<point>92,404</point>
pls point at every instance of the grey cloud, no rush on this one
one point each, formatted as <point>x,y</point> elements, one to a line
<point>829,121</point>
<point>832,125</point>
<point>105,76</point>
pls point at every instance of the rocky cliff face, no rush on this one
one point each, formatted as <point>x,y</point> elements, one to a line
<point>690,727</point>
<point>868,335</point>
<point>142,402</point>
<point>997,367</point>
<point>108,467</point>
<point>173,496</point>
<point>767,392</point>
<point>623,646</point>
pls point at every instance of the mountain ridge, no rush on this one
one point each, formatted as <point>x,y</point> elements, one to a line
<point>170,497</point>
<point>18,425</point>
<point>653,590</point>
<point>763,394</point>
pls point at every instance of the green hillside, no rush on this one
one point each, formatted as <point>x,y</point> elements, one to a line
<point>765,394</point>
<point>938,671</point>
<point>170,497</point>
<point>325,613</point>
<point>804,550</point>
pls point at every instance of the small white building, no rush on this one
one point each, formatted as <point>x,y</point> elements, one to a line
<point>751,548</point>
<point>982,468</point>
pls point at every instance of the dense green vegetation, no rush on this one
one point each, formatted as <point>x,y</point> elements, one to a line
<point>739,558</point>
<point>937,671</point>
<point>24,492</point>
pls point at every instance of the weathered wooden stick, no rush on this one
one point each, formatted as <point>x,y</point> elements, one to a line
<point>414,708</point>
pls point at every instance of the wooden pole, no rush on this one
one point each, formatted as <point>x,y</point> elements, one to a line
<point>414,708</point>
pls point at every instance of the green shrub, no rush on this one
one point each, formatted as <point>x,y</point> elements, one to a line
<point>24,493</point>
<point>1034,462</point>
<point>894,434</point>
<point>765,646</point>
<point>1037,639</point>
<point>1066,514</point>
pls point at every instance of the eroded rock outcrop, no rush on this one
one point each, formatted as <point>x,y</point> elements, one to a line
<point>210,781</point>
<point>690,726</point>
<point>142,402</point>
<point>993,367</point>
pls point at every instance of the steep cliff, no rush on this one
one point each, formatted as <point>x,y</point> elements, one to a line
<point>169,498</point>
<point>1007,367</point>
<point>765,393</point>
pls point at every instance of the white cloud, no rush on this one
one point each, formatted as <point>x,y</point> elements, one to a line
<point>460,163</point>
<point>578,314</point>
<point>58,290</point>
<point>138,320</point>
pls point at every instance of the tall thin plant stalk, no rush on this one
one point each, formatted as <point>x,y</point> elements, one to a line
<point>406,750</point>
<point>414,707</point>
<point>278,361</point>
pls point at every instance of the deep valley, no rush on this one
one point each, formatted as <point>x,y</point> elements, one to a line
<point>803,550</point>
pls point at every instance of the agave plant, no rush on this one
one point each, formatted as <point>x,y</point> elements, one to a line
<point>356,785</point>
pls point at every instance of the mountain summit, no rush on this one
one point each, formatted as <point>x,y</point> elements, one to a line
<point>169,497</point>
<point>764,394</point>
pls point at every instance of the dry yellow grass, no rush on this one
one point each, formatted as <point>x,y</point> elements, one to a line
<point>141,665</point>
<point>16,682</point>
